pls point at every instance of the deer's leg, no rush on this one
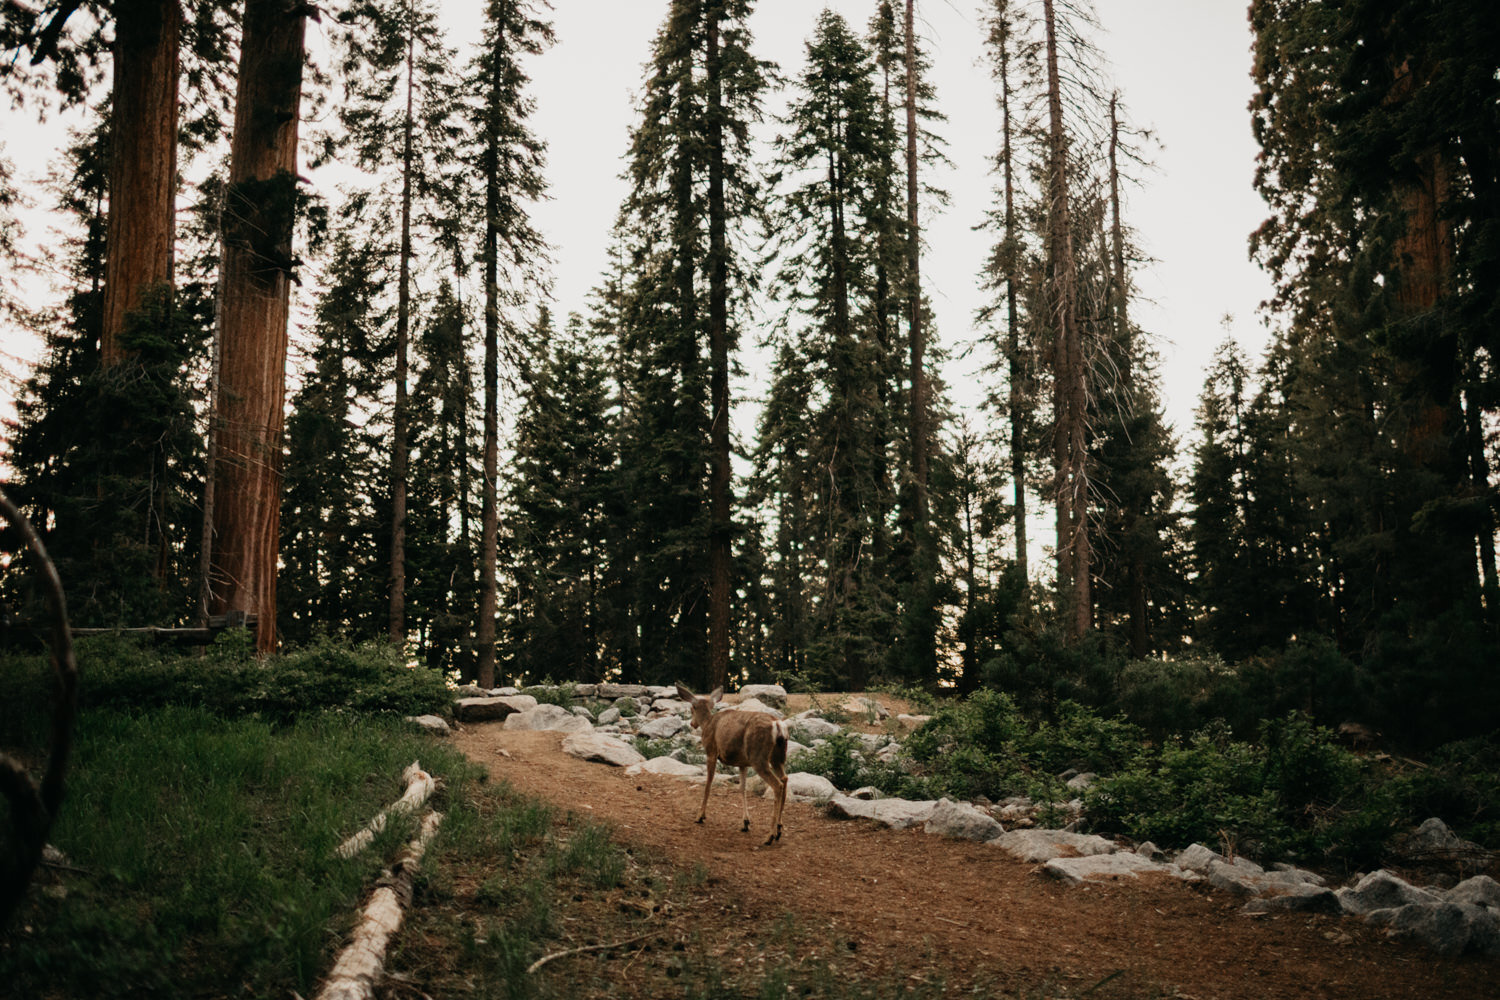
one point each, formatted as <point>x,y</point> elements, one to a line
<point>707,784</point>
<point>745,799</point>
<point>774,775</point>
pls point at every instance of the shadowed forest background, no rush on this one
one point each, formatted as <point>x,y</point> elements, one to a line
<point>505,486</point>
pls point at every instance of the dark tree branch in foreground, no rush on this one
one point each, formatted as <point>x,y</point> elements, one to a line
<point>34,807</point>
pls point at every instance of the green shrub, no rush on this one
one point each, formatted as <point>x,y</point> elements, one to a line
<point>1083,740</point>
<point>551,694</point>
<point>1208,789</point>
<point>231,681</point>
<point>1170,697</point>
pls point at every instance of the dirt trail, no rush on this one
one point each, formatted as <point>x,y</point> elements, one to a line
<point>909,900</point>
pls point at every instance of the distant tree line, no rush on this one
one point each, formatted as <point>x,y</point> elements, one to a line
<point>1332,527</point>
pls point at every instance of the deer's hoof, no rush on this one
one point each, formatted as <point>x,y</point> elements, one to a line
<point>698,820</point>
<point>746,827</point>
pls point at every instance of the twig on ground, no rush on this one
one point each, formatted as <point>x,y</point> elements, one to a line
<point>586,948</point>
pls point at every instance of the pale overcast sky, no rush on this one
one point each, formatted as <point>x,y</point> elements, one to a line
<point>1182,67</point>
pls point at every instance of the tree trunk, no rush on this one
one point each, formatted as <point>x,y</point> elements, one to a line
<point>258,220</point>
<point>1018,375</point>
<point>721,530</point>
<point>923,557</point>
<point>400,453</point>
<point>1135,569</point>
<point>489,520</point>
<point>142,162</point>
<point>1070,394</point>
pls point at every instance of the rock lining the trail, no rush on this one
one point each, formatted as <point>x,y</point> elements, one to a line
<point>1465,918</point>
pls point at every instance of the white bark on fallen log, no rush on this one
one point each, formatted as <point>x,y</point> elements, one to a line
<point>361,963</point>
<point>419,788</point>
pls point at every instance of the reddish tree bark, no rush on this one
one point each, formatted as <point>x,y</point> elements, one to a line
<point>142,161</point>
<point>253,305</point>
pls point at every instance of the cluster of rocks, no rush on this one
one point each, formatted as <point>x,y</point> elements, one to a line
<point>604,721</point>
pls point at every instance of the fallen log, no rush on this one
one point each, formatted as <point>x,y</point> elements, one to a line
<point>419,788</point>
<point>361,963</point>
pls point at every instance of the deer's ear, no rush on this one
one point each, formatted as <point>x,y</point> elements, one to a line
<point>684,694</point>
<point>718,693</point>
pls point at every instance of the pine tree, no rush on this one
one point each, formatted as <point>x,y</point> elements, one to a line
<point>510,159</point>
<point>830,157</point>
<point>691,189</point>
<point>399,83</point>
<point>331,544</point>
<point>559,485</point>
<point>1013,66</point>
<point>443,579</point>
<point>1376,127</point>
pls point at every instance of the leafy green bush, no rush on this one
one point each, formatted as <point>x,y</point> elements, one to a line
<point>984,745</point>
<point>1287,795</point>
<point>1168,697</point>
<point>551,694</point>
<point>1461,785</point>
<point>1080,739</point>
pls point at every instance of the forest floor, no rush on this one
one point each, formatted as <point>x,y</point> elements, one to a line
<point>920,909</point>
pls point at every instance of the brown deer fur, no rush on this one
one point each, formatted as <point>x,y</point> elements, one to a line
<point>743,740</point>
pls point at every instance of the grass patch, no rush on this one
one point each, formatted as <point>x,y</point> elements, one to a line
<point>201,853</point>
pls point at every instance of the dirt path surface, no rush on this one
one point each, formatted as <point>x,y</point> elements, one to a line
<point>971,913</point>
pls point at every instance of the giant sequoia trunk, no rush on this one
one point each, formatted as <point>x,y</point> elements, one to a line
<point>142,162</point>
<point>253,304</point>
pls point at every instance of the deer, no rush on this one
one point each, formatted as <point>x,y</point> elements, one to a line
<point>743,740</point>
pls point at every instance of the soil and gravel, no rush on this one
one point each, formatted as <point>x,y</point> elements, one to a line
<point>969,913</point>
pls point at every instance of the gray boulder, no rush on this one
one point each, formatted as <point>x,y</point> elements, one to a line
<point>769,694</point>
<point>1044,845</point>
<point>609,716</point>
<point>669,766</point>
<point>1103,867</point>
<point>548,717</point>
<point>1380,890</point>
<point>1434,841</point>
<point>662,728</point>
<point>1446,928</point>
<point>756,705</point>
<point>810,729</point>
<point>674,705</point>
<point>431,723</point>
<point>962,821</point>
<point>801,786</point>
<point>609,692</point>
<point>602,749</point>
<point>1481,890</point>
<point>491,708</point>
<point>898,814</point>
<point>1197,858</point>
<point>1300,897</point>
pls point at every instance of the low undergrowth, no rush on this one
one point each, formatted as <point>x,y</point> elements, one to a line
<point>199,853</point>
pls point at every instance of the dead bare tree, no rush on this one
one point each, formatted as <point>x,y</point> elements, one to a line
<point>34,806</point>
